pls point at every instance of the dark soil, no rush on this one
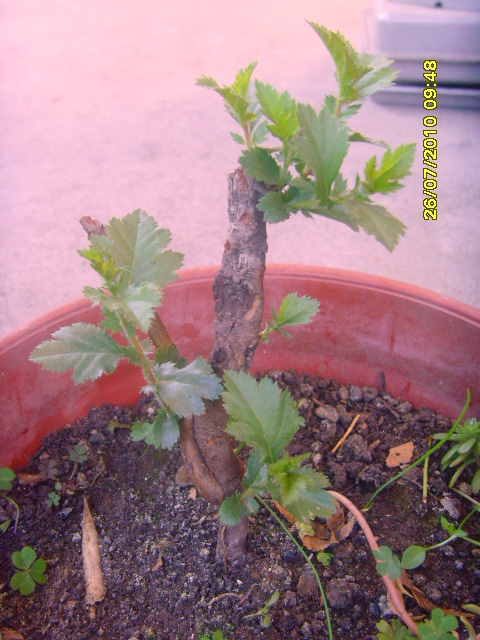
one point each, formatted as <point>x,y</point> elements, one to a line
<point>158,538</point>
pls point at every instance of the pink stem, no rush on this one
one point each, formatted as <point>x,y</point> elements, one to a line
<point>395,596</point>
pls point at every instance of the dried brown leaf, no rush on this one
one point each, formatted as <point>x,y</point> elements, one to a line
<point>400,455</point>
<point>95,586</point>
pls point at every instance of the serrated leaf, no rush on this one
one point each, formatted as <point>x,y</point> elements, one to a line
<point>372,218</point>
<point>289,478</point>
<point>182,389</point>
<point>231,510</point>
<point>294,310</point>
<point>279,108</point>
<point>262,166</point>
<point>394,166</point>
<point>260,133</point>
<point>137,303</point>
<point>111,321</point>
<point>88,349</point>
<point>274,207</point>
<point>236,137</point>
<point>163,432</point>
<point>413,557</point>
<point>313,501</point>
<point>377,74</point>
<point>323,144</point>
<point>235,96</point>
<point>170,354</point>
<point>358,75</point>
<point>356,136</point>
<point>137,247</point>
<point>131,353</point>
<point>259,413</point>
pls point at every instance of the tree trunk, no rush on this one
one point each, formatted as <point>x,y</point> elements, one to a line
<point>238,294</point>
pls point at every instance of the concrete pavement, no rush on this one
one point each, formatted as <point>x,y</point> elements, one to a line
<point>99,115</point>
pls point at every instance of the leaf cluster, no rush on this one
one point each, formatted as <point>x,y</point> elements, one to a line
<point>134,264</point>
<point>266,419</point>
<point>465,451</point>
<point>438,627</point>
<point>30,570</point>
<point>78,453</point>
<point>305,148</point>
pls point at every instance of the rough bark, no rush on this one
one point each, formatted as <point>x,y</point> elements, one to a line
<point>238,295</point>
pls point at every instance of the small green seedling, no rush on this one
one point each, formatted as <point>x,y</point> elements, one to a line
<point>30,570</point>
<point>217,635</point>
<point>53,498</point>
<point>394,630</point>
<point>48,470</point>
<point>6,477</point>
<point>78,454</point>
<point>264,610</point>
<point>324,558</point>
<point>390,565</point>
<point>465,452</point>
<point>437,628</point>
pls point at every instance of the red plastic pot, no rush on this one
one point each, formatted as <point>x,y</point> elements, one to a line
<point>424,346</point>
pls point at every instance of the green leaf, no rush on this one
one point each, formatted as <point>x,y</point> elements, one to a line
<point>132,355</point>
<point>389,563</point>
<point>23,580</point>
<point>476,482</point>
<point>25,558</point>
<point>372,218</point>
<point>313,500</point>
<point>163,432</point>
<point>137,246</point>
<point>393,631</point>
<point>37,571</point>
<point>413,557</point>
<point>111,321</point>
<point>182,390</point>
<point>170,354</point>
<point>232,509</point>
<point>377,74</point>
<point>255,464</point>
<point>217,635</point>
<point>294,310</point>
<point>236,137</point>
<point>358,75</point>
<point>6,477</point>
<point>356,136</point>
<point>259,164</point>
<point>274,207</point>
<point>236,96</point>
<point>88,349</point>
<point>136,303</point>
<point>279,109</point>
<point>290,479</point>
<point>438,627</point>
<point>394,166</point>
<point>260,414</point>
<point>323,144</point>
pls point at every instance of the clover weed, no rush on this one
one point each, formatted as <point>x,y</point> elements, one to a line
<point>30,570</point>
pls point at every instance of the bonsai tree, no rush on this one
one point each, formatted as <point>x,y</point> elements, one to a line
<point>291,162</point>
